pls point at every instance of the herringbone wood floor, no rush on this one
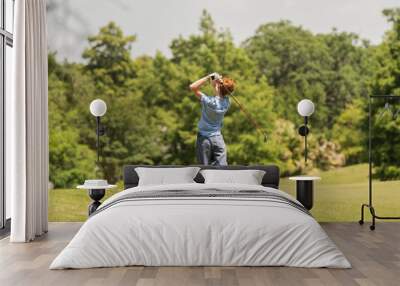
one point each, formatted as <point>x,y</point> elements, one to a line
<point>375,257</point>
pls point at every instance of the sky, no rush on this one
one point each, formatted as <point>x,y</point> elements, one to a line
<point>157,22</point>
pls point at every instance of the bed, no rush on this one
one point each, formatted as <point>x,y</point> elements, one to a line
<point>201,224</point>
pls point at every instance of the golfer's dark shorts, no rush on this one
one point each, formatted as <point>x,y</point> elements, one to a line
<point>211,150</point>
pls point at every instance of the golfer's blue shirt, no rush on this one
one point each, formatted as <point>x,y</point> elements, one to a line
<point>213,109</point>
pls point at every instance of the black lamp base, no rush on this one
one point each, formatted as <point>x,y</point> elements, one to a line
<point>305,193</point>
<point>96,195</point>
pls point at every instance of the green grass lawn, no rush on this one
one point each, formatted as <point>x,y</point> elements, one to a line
<point>338,197</point>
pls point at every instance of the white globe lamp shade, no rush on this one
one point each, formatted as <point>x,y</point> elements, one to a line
<point>98,107</point>
<point>305,107</point>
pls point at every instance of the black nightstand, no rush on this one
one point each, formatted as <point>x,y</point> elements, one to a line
<point>305,190</point>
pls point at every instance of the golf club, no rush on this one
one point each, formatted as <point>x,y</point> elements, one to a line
<point>250,118</point>
<point>218,77</point>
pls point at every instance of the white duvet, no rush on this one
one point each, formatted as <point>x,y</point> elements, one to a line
<point>200,231</point>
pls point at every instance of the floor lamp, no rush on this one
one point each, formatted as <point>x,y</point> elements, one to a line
<point>305,184</point>
<point>98,108</point>
<point>97,188</point>
<point>305,108</point>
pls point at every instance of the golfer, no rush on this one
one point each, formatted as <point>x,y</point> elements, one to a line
<point>210,145</point>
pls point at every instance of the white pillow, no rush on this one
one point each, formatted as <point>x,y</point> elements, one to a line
<point>166,176</point>
<point>248,177</point>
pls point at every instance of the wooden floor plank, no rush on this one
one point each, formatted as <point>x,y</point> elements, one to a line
<point>375,257</point>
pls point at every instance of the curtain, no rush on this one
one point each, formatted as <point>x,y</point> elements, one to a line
<point>27,124</point>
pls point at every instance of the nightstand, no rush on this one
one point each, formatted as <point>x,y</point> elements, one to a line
<point>305,190</point>
<point>96,190</point>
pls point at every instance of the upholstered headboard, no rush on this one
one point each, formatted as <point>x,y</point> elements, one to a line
<point>271,177</point>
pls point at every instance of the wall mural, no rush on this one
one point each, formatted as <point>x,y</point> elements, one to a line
<point>152,115</point>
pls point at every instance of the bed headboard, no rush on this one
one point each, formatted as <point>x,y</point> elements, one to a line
<point>270,179</point>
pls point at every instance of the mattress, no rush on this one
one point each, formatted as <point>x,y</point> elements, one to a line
<point>201,225</point>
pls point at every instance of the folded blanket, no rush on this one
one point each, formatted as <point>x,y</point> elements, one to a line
<point>206,194</point>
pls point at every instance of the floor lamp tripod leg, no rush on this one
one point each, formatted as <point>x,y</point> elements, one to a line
<point>372,210</point>
<point>361,221</point>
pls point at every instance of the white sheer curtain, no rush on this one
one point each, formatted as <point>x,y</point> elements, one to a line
<point>27,124</point>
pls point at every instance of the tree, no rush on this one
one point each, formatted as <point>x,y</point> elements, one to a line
<point>330,69</point>
<point>132,136</point>
<point>349,72</point>
<point>293,60</point>
<point>109,58</point>
<point>349,131</point>
<point>71,161</point>
<point>386,131</point>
